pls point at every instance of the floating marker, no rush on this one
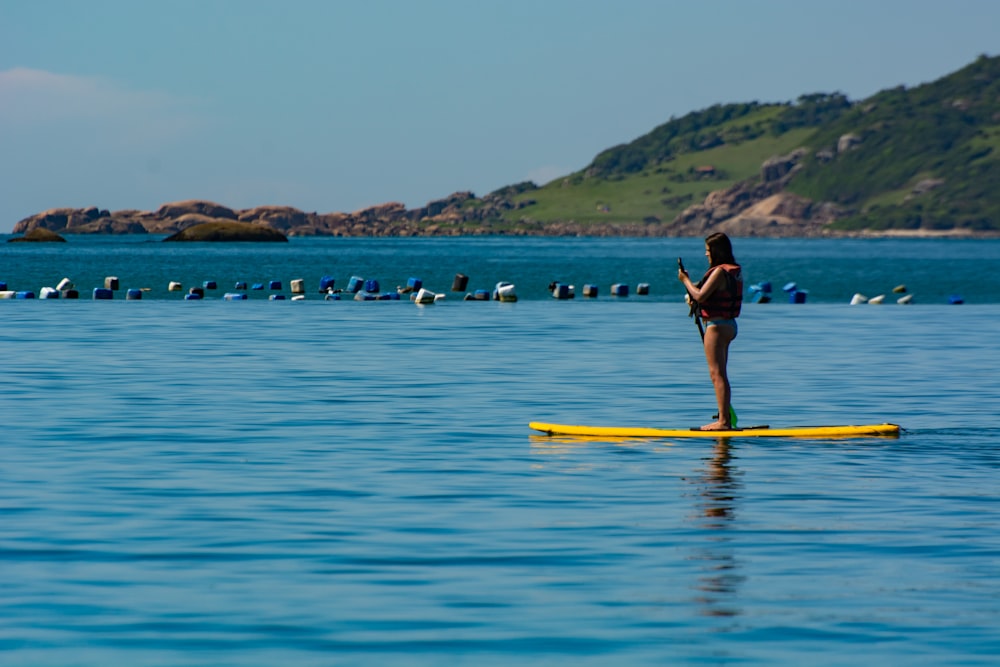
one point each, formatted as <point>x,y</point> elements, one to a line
<point>240,284</point>
<point>504,292</point>
<point>763,287</point>
<point>24,295</point>
<point>332,297</point>
<point>274,285</point>
<point>193,296</point>
<point>858,298</point>
<point>789,287</point>
<point>877,300</point>
<point>64,285</point>
<point>276,297</point>
<point>257,286</point>
<point>209,284</point>
<point>371,285</point>
<point>899,289</point>
<point>234,296</point>
<point>298,286</point>
<point>111,283</point>
<point>71,294</point>
<point>48,293</point>
<point>173,286</point>
<point>355,284</point>
<point>424,296</point>
<point>642,289</point>
<point>903,300</point>
<point>460,283</point>
<point>388,296</point>
<point>562,291</point>
<point>103,294</point>
<point>590,291</point>
<point>955,299</point>
<point>133,294</point>
<point>414,284</point>
<point>797,296</point>
<point>299,297</point>
<point>326,283</point>
<point>3,286</point>
<point>7,294</point>
<point>619,289</point>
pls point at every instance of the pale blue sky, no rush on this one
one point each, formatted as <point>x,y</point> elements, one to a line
<point>335,105</point>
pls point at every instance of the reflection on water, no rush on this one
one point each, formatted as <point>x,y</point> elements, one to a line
<point>718,497</point>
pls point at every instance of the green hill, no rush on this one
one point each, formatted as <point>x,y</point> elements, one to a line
<point>918,158</point>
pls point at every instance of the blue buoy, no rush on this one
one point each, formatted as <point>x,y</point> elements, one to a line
<point>619,289</point>
<point>30,295</point>
<point>797,296</point>
<point>562,291</point>
<point>274,285</point>
<point>790,287</point>
<point>355,284</point>
<point>257,286</point>
<point>193,296</point>
<point>414,284</point>
<point>326,283</point>
<point>240,284</point>
<point>133,294</point>
<point>332,297</point>
<point>103,293</point>
<point>590,291</point>
<point>371,285</point>
<point>955,299</point>
<point>210,284</point>
<point>277,297</point>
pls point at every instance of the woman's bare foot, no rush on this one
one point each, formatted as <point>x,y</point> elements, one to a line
<point>716,426</point>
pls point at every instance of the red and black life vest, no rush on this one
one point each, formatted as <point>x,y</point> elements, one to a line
<point>725,302</point>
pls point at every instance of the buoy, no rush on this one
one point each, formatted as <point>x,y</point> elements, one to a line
<point>299,297</point>
<point>761,297</point>
<point>413,284</point>
<point>64,285</point>
<point>789,287</point>
<point>619,289</point>
<point>563,291</point>
<point>955,299</point>
<point>257,286</point>
<point>3,286</point>
<point>877,300</point>
<point>590,291</point>
<point>103,294</point>
<point>331,296</point>
<point>423,297</point>
<point>276,297</point>
<point>298,286</point>
<point>858,298</point>
<point>133,294</point>
<point>240,284</point>
<point>903,300</point>
<point>234,296</point>
<point>197,291</point>
<point>364,296</point>
<point>326,284</point>
<point>899,289</point>
<point>504,292</point>
<point>642,289</point>
<point>28,294</point>
<point>274,285</point>
<point>71,294</point>
<point>48,293</point>
<point>797,296</point>
<point>173,286</point>
<point>111,283</point>
<point>355,284</point>
<point>460,283</point>
<point>193,296</point>
<point>763,287</point>
<point>209,284</point>
<point>371,285</point>
<point>7,294</point>
<point>388,296</point>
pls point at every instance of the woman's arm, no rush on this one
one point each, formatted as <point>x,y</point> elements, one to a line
<point>715,278</point>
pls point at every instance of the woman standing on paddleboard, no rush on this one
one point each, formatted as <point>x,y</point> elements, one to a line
<point>717,299</point>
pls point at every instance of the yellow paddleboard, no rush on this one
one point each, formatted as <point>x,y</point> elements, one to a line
<point>865,431</point>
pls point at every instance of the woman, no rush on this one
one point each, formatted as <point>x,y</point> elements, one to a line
<point>718,297</point>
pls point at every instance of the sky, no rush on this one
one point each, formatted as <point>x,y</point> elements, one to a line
<point>337,105</point>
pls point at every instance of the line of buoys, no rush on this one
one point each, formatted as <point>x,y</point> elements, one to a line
<point>860,298</point>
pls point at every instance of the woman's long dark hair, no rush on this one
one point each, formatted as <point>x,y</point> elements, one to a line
<point>720,249</point>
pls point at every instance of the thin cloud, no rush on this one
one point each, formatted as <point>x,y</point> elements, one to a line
<point>32,100</point>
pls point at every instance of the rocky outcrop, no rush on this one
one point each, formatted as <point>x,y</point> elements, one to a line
<point>227,231</point>
<point>38,235</point>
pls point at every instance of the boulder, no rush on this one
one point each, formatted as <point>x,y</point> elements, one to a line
<point>228,231</point>
<point>38,235</point>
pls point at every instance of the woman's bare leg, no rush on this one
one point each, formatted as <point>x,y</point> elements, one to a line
<point>717,340</point>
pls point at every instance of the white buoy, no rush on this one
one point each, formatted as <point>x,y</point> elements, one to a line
<point>48,293</point>
<point>64,285</point>
<point>423,296</point>
<point>174,286</point>
<point>876,300</point>
<point>858,298</point>
<point>299,297</point>
<point>7,294</point>
<point>903,300</point>
<point>505,292</point>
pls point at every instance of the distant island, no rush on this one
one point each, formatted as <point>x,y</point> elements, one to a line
<point>919,162</point>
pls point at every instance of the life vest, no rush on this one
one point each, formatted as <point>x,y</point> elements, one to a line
<point>725,302</point>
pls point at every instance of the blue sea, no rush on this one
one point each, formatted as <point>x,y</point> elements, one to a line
<point>324,482</point>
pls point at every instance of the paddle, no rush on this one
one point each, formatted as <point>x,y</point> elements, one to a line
<point>695,312</point>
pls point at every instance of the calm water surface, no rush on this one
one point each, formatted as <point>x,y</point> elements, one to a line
<point>324,483</point>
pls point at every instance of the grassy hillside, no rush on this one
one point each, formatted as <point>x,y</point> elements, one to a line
<point>941,138</point>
